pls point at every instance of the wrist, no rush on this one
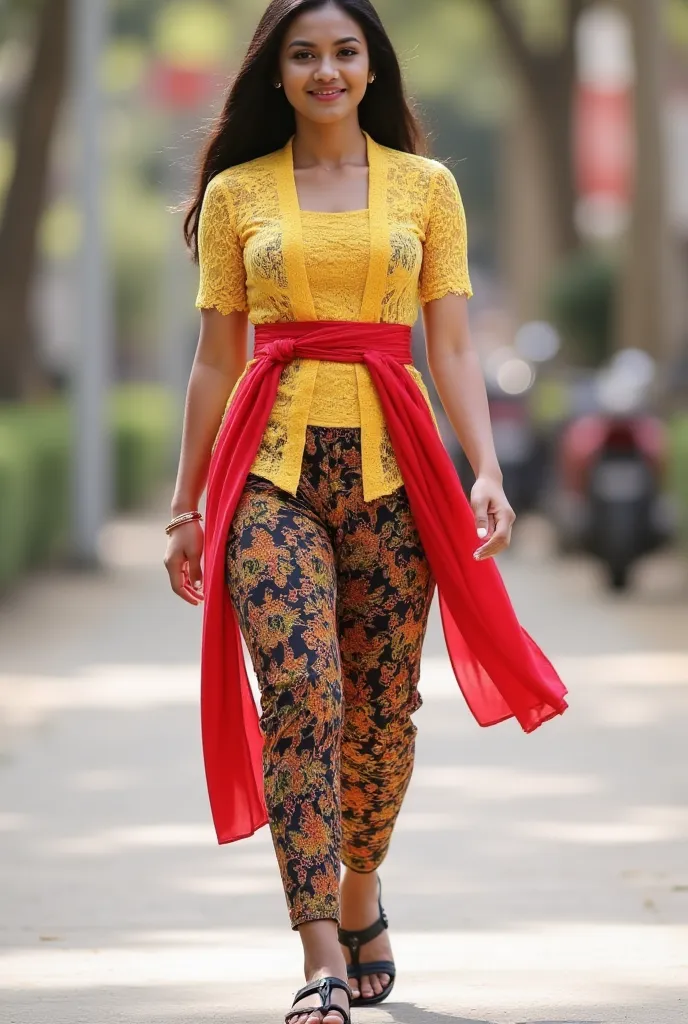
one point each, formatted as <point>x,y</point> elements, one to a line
<point>490,471</point>
<point>181,504</point>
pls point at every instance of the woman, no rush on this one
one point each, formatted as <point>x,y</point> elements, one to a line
<point>332,509</point>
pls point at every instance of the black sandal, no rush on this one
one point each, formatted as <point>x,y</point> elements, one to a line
<point>323,987</point>
<point>353,942</point>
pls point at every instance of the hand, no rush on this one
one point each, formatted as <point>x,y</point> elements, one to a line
<point>183,562</point>
<point>494,517</point>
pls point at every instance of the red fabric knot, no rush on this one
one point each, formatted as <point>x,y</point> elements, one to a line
<point>282,350</point>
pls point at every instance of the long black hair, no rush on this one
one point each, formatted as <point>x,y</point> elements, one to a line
<point>257,119</point>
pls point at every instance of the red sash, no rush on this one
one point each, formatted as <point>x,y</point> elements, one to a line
<point>499,668</point>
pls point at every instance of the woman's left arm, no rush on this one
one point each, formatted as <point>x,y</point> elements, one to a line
<point>458,377</point>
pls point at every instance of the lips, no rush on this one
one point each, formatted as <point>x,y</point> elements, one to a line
<point>325,95</point>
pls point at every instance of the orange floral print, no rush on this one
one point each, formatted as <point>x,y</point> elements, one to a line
<point>332,595</point>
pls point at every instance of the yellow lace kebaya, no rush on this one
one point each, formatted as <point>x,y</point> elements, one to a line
<point>260,252</point>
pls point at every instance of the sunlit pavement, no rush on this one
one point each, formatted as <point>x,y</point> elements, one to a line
<point>532,879</point>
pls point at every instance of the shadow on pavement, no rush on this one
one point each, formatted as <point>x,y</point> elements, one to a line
<point>409,1013</point>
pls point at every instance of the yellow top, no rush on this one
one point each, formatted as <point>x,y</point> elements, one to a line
<point>260,252</point>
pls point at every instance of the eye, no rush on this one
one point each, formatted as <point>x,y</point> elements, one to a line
<point>301,54</point>
<point>346,52</point>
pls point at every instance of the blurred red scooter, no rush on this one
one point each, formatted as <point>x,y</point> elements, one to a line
<point>610,473</point>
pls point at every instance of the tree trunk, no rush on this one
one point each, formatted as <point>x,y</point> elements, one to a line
<point>552,105</point>
<point>547,82</point>
<point>37,114</point>
<point>643,313</point>
<point>528,240</point>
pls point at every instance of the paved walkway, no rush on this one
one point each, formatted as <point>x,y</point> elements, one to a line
<point>532,879</point>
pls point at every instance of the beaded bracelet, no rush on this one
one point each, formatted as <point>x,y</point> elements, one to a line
<point>185,517</point>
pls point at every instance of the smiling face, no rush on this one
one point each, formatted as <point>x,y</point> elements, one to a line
<point>324,65</point>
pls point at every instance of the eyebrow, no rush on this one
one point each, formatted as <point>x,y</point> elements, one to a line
<point>313,46</point>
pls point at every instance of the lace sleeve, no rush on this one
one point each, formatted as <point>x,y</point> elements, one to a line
<point>445,251</point>
<point>222,283</point>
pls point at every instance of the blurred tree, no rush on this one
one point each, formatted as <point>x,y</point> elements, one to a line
<point>36,117</point>
<point>644,297</point>
<point>132,18</point>
<point>544,58</point>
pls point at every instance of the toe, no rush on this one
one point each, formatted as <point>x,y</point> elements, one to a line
<point>366,987</point>
<point>376,983</point>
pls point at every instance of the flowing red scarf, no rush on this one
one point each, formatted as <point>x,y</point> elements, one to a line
<point>499,668</point>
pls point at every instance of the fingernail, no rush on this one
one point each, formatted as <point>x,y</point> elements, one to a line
<point>482,532</point>
<point>198,585</point>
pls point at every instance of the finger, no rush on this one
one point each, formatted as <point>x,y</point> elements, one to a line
<point>482,522</point>
<point>192,595</point>
<point>180,583</point>
<point>500,539</point>
<point>190,588</point>
<point>187,593</point>
<point>195,573</point>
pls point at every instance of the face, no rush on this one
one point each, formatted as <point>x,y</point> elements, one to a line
<point>324,65</point>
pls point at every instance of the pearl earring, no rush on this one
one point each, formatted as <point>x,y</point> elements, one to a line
<point>372,78</point>
<point>278,85</point>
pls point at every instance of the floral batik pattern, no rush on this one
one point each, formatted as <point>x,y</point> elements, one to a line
<point>332,595</point>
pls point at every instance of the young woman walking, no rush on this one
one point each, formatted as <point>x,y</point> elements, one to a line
<point>332,508</point>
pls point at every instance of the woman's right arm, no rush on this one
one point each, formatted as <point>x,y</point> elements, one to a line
<point>219,362</point>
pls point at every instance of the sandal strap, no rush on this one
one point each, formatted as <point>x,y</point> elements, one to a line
<point>354,940</point>
<point>376,967</point>
<point>323,988</point>
<point>324,1010</point>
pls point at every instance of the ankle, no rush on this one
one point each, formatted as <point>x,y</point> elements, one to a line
<point>314,970</point>
<point>360,886</point>
<point>322,955</point>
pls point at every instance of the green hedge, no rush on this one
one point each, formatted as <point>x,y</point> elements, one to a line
<point>678,471</point>
<point>142,421</point>
<point>35,470</point>
<point>581,297</point>
<point>14,504</point>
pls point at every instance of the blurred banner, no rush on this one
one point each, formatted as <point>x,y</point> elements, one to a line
<point>603,123</point>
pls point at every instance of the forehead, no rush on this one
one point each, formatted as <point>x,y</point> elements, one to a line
<point>323,25</point>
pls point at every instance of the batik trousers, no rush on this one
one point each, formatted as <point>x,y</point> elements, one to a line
<point>332,595</point>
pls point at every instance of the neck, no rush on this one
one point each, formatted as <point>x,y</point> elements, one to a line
<point>330,145</point>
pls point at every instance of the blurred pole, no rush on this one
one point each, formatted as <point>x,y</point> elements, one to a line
<point>178,321</point>
<point>91,367</point>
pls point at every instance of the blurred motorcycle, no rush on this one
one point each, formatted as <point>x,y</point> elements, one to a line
<point>609,497</point>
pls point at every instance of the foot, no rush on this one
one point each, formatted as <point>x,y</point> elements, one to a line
<point>359,900</point>
<point>338,998</point>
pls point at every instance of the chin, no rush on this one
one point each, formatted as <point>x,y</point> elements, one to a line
<point>328,115</point>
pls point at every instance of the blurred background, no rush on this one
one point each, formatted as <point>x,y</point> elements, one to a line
<point>559,872</point>
<point>566,125</point>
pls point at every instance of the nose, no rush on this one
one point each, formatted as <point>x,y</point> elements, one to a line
<point>326,72</point>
